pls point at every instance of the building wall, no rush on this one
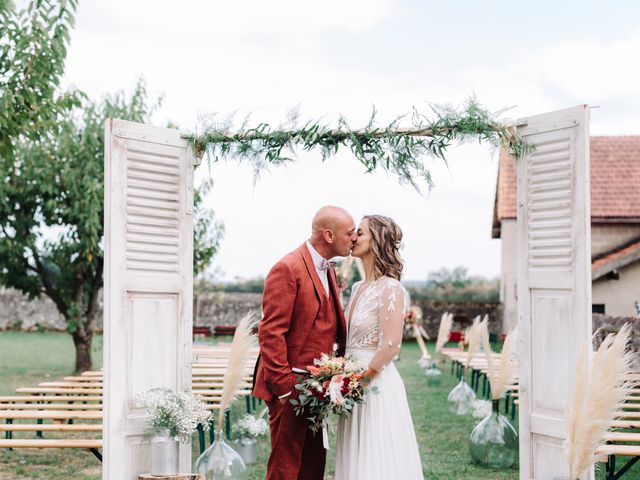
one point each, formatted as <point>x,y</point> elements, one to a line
<point>606,236</point>
<point>619,296</point>
<point>509,275</point>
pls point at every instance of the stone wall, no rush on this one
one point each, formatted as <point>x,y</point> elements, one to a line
<point>18,312</point>
<point>463,315</point>
<point>225,308</point>
<point>605,324</point>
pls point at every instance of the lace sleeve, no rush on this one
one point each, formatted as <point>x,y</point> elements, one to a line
<point>391,318</point>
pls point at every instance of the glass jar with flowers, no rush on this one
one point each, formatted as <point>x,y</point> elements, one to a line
<point>173,417</point>
<point>247,430</point>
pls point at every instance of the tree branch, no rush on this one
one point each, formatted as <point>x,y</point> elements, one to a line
<point>92,304</point>
<point>49,289</point>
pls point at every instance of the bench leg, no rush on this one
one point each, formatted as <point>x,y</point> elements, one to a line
<point>201,443</point>
<point>97,453</point>
<point>227,424</point>
<point>611,467</point>
<point>9,434</point>
<point>248,401</point>
<point>39,432</point>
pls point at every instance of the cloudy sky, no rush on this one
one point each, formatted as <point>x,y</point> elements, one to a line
<point>342,57</point>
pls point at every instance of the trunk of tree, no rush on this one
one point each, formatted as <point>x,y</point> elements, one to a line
<point>82,341</point>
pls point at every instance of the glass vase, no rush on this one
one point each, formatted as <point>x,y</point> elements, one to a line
<point>425,362</point>
<point>461,398</point>
<point>434,376</point>
<point>164,454</point>
<point>247,447</point>
<point>494,441</point>
<point>221,462</point>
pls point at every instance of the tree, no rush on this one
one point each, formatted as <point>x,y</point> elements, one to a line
<point>33,48</point>
<point>52,209</point>
<point>456,285</point>
<point>51,203</point>
<point>207,231</point>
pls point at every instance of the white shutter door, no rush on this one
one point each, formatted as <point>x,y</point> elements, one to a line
<point>148,283</point>
<point>554,281</point>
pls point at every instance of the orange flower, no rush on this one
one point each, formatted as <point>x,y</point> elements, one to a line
<point>313,370</point>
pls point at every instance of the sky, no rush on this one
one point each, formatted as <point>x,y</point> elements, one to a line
<point>334,58</point>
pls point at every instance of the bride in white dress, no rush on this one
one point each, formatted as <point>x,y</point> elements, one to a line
<point>377,441</point>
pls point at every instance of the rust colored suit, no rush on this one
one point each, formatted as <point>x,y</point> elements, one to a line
<point>300,322</point>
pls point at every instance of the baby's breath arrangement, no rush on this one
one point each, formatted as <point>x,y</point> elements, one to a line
<point>250,426</point>
<point>178,412</point>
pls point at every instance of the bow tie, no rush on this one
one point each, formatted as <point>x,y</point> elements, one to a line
<point>324,265</point>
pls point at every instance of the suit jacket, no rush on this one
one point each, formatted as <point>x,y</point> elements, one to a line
<point>291,304</point>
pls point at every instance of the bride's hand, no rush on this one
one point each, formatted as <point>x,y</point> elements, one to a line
<point>368,375</point>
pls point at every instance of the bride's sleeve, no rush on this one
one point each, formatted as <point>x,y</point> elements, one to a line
<point>391,323</point>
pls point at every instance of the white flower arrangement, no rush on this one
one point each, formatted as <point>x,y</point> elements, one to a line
<point>178,412</point>
<point>250,426</point>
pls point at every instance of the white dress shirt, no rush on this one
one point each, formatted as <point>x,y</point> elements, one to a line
<point>317,261</point>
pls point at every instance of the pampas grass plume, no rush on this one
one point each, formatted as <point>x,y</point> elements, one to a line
<point>474,338</point>
<point>597,397</point>
<point>444,330</point>
<point>243,340</point>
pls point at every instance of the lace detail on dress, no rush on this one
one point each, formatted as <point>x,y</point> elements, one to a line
<point>369,339</point>
<point>375,314</point>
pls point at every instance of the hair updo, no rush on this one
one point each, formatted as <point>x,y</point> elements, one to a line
<point>386,237</point>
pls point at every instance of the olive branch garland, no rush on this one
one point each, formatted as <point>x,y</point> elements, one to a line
<point>393,149</point>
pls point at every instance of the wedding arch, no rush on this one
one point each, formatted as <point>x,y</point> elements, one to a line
<point>148,254</point>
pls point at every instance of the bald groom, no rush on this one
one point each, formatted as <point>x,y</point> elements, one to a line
<point>302,318</point>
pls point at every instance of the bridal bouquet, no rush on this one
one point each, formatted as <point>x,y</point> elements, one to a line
<point>333,385</point>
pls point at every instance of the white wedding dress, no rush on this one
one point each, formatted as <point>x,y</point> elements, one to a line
<point>377,441</point>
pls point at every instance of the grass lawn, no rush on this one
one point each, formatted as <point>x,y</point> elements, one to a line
<point>29,358</point>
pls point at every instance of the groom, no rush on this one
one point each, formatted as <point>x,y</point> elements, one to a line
<point>302,318</point>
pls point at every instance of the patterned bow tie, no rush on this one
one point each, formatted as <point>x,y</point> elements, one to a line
<point>324,265</point>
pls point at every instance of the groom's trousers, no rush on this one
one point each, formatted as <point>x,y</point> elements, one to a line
<point>296,452</point>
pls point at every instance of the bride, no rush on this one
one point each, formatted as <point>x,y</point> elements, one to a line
<point>377,441</point>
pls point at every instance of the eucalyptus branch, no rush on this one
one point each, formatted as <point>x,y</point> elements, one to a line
<point>394,148</point>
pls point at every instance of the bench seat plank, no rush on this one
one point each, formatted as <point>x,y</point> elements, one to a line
<point>50,406</point>
<point>51,443</point>
<point>45,390</point>
<point>50,415</point>
<point>50,427</point>
<point>51,398</point>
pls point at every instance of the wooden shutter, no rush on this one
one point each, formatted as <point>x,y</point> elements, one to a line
<point>554,280</point>
<point>148,283</point>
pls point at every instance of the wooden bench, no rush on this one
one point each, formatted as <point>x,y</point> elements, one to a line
<point>93,445</point>
<point>50,398</point>
<point>219,330</point>
<point>201,330</point>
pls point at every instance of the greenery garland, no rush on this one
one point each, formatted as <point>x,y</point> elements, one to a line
<point>393,148</point>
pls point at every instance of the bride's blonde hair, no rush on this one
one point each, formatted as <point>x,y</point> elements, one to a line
<point>386,237</point>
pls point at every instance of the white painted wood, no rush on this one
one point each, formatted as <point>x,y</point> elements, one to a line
<point>554,280</point>
<point>148,283</point>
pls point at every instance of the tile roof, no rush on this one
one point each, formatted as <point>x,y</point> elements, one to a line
<point>615,259</point>
<point>615,181</point>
